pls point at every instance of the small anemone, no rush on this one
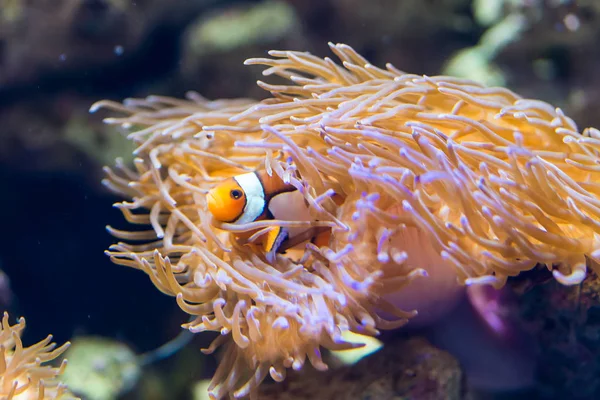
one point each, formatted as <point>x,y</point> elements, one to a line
<point>22,373</point>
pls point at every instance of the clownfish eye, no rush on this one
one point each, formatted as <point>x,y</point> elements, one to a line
<point>236,194</point>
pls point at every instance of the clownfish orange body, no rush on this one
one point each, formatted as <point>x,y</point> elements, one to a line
<point>258,196</point>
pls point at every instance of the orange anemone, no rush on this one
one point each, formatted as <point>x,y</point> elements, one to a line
<point>434,172</point>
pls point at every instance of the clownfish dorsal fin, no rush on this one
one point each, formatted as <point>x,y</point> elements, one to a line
<point>273,184</point>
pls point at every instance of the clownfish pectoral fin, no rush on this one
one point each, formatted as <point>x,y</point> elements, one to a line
<point>275,237</point>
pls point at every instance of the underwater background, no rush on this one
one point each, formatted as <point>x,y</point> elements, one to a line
<point>59,57</point>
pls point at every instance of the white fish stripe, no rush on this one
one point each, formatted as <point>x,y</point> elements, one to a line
<point>255,197</point>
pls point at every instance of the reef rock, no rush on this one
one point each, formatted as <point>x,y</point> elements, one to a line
<point>406,369</point>
<point>565,322</point>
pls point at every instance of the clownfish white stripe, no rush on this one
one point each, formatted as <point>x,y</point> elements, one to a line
<point>255,197</point>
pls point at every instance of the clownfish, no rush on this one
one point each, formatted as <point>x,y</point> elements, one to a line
<point>256,196</point>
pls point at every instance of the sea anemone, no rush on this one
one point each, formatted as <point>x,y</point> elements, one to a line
<point>22,375</point>
<point>438,175</point>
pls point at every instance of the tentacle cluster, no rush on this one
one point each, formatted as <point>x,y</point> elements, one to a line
<point>277,315</point>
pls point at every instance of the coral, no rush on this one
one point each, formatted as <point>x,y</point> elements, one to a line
<point>22,375</point>
<point>431,170</point>
<point>266,21</point>
<point>101,369</point>
<point>476,63</point>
